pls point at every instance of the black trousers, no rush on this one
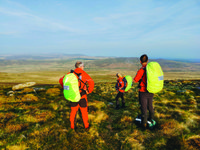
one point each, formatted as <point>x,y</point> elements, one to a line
<point>119,95</point>
<point>146,103</point>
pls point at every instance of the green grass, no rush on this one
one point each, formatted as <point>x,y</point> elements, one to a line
<point>52,77</point>
<point>40,120</point>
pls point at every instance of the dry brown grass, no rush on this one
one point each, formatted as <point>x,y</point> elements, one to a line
<point>53,91</point>
<point>44,119</point>
<point>193,142</point>
<point>29,97</point>
<point>52,77</point>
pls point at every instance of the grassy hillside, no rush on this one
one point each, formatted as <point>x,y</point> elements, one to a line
<point>38,117</point>
<point>100,69</point>
<point>134,64</point>
<point>40,120</point>
<point>93,64</point>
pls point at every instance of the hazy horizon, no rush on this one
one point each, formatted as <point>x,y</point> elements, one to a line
<point>57,55</point>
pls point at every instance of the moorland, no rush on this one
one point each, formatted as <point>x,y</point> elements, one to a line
<point>37,117</point>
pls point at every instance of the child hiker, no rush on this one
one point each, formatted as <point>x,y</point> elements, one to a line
<point>120,89</point>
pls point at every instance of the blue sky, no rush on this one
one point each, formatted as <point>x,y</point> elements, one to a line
<point>127,28</point>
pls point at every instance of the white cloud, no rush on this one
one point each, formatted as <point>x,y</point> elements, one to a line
<point>30,21</point>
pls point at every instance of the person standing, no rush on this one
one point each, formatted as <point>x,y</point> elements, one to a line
<point>84,80</point>
<point>120,89</point>
<point>145,98</point>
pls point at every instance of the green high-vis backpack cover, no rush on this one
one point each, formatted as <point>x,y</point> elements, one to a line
<point>71,88</point>
<point>128,83</point>
<point>155,77</point>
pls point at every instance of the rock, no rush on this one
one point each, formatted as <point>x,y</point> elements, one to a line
<point>10,93</point>
<point>39,89</point>
<point>181,91</point>
<point>110,103</point>
<point>21,86</point>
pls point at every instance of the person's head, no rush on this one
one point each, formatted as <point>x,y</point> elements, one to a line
<point>144,59</point>
<point>118,75</point>
<point>79,64</point>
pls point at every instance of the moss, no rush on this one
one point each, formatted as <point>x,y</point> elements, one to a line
<point>53,92</point>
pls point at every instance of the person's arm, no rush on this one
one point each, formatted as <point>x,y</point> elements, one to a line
<point>90,83</point>
<point>138,75</point>
<point>61,81</point>
<point>117,87</point>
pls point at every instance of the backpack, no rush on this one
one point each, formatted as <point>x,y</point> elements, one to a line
<point>71,87</point>
<point>127,82</point>
<point>155,77</point>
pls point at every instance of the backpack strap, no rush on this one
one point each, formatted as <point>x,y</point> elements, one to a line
<point>125,83</point>
<point>81,81</point>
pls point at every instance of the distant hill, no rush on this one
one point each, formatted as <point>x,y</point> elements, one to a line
<point>23,63</point>
<point>132,63</point>
<point>39,56</point>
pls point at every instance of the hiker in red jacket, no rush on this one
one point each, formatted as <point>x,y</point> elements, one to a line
<point>120,89</point>
<point>83,103</point>
<point>145,98</point>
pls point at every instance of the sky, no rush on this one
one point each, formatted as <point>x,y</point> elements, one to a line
<point>121,28</point>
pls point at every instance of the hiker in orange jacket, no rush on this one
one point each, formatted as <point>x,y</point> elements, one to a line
<point>83,103</point>
<point>120,89</point>
<point>145,98</point>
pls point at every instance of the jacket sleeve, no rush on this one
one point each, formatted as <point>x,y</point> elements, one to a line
<point>139,75</point>
<point>90,83</point>
<point>61,81</point>
<point>116,86</point>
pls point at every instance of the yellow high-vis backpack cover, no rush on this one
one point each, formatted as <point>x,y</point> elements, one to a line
<point>71,88</point>
<point>155,77</point>
<point>129,82</point>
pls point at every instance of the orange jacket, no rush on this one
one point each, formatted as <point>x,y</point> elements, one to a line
<point>120,84</point>
<point>85,78</point>
<point>141,77</point>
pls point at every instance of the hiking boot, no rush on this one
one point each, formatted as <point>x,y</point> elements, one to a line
<point>87,129</point>
<point>144,126</point>
<point>123,105</point>
<point>117,107</point>
<point>152,124</point>
<point>72,130</point>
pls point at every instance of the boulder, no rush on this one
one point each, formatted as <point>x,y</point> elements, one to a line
<point>21,86</point>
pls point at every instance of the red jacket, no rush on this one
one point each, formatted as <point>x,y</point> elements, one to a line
<point>142,77</point>
<point>85,78</point>
<point>120,84</point>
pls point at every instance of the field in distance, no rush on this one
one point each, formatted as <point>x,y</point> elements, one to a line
<point>48,70</point>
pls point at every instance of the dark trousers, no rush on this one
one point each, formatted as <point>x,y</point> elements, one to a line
<point>146,102</point>
<point>120,95</point>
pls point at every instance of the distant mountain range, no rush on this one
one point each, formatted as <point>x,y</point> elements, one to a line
<point>133,63</point>
<point>39,56</point>
<point>67,56</point>
<point>60,61</point>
